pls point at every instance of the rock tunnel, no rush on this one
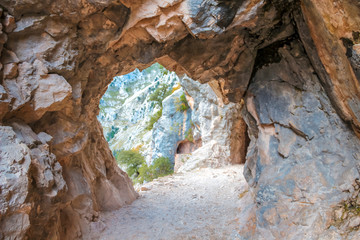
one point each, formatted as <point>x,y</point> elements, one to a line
<point>292,64</point>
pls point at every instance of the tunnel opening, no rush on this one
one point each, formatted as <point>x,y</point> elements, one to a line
<point>130,114</point>
<point>153,119</point>
<point>186,146</point>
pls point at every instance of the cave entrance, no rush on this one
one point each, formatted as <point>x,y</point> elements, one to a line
<point>184,151</point>
<point>186,146</point>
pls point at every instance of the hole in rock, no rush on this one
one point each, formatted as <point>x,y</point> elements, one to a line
<point>186,146</point>
<point>157,122</point>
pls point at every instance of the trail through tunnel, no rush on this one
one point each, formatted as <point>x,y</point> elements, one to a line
<point>153,119</point>
<point>282,74</point>
<point>157,123</point>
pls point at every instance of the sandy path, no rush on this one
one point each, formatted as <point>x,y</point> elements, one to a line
<point>203,204</point>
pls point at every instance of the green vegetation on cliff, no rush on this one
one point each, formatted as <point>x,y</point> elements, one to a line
<point>160,94</point>
<point>129,110</point>
<point>189,135</point>
<point>182,104</point>
<point>154,118</point>
<point>158,97</point>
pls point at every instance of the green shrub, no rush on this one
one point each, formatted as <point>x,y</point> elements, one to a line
<point>132,159</point>
<point>153,119</point>
<point>182,104</point>
<point>137,168</point>
<point>158,96</point>
<point>128,89</point>
<point>189,135</point>
<point>145,174</point>
<point>161,92</point>
<point>162,166</point>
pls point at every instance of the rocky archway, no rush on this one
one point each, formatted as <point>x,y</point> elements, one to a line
<point>59,56</point>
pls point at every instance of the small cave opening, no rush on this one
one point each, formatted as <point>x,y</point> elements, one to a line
<point>186,146</point>
<point>184,150</point>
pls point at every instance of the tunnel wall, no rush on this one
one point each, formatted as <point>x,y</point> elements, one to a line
<point>57,58</point>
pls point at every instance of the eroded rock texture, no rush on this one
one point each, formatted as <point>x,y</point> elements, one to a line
<point>297,63</point>
<point>302,154</point>
<point>171,128</point>
<point>218,133</point>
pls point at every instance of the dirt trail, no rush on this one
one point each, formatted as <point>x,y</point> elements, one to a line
<point>202,204</point>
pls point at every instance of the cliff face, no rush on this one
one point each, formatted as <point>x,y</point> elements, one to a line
<point>58,57</point>
<point>173,127</point>
<point>191,117</point>
<point>218,130</point>
<point>130,103</point>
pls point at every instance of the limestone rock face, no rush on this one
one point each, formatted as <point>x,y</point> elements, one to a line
<point>192,115</point>
<point>128,106</point>
<point>32,183</point>
<point>300,152</point>
<point>171,128</point>
<point>58,57</point>
<point>15,220</point>
<point>215,127</point>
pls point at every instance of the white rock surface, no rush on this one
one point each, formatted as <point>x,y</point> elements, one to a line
<point>213,123</point>
<point>126,108</point>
